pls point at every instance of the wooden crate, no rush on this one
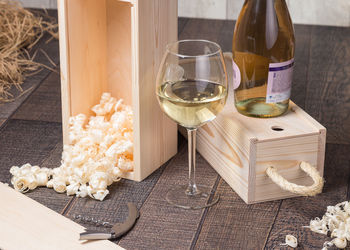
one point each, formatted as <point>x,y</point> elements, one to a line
<point>241,148</point>
<point>116,46</point>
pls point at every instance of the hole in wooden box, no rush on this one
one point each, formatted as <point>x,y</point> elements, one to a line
<point>100,52</point>
<point>277,128</point>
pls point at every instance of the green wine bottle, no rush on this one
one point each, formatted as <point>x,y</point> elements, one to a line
<point>263,55</point>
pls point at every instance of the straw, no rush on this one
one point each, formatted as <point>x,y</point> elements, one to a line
<point>20,30</point>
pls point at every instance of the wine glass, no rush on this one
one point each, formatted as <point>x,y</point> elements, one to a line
<point>192,89</point>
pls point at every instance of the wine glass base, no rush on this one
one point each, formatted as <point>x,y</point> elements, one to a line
<point>204,198</point>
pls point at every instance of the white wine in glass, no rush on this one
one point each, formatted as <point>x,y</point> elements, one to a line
<point>192,90</point>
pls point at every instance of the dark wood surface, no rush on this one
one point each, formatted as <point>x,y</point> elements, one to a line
<point>30,131</point>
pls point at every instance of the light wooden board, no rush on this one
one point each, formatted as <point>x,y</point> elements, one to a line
<point>156,26</point>
<point>26,224</point>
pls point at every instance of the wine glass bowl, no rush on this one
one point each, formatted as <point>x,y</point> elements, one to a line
<point>192,82</point>
<point>192,89</point>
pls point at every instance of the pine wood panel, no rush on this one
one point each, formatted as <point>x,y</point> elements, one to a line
<point>38,227</point>
<point>155,134</point>
<point>119,49</point>
<point>83,28</point>
<point>328,91</point>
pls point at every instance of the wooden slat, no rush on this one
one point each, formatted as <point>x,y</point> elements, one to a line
<point>32,142</point>
<point>328,89</point>
<point>45,103</point>
<point>83,29</point>
<point>26,224</point>
<point>232,224</point>
<point>162,226</point>
<point>119,52</point>
<point>295,213</point>
<point>155,135</point>
<point>2,122</point>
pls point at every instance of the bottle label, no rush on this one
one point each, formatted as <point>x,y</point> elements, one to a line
<point>236,75</point>
<point>279,82</point>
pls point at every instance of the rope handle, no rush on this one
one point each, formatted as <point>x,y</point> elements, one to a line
<point>312,190</point>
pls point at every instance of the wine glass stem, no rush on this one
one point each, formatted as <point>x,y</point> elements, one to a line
<point>192,187</point>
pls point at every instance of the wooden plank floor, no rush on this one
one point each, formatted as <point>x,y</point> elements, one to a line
<point>30,131</point>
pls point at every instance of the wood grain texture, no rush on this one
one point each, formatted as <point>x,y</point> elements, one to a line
<point>111,46</point>
<point>119,53</point>
<point>240,149</point>
<point>181,23</point>
<point>155,135</point>
<point>328,90</point>
<point>213,30</point>
<point>45,103</point>
<point>301,59</point>
<point>162,226</point>
<point>2,122</point>
<point>26,141</point>
<point>26,224</point>
<point>297,212</point>
<point>232,224</point>
<point>33,142</point>
<point>83,28</point>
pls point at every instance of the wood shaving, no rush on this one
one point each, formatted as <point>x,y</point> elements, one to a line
<point>334,223</point>
<point>20,30</point>
<point>290,241</point>
<point>99,151</point>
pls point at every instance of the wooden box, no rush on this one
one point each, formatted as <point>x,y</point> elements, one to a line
<point>241,148</point>
<point>116,46</point>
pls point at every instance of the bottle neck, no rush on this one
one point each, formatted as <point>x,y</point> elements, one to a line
<point>264,11</point>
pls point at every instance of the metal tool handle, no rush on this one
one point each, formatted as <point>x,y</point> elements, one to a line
<point>95,235</point>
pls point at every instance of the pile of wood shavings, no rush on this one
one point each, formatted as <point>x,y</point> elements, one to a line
<point>20,30</point>
<point>97,155</point>
<point>335,223</point>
